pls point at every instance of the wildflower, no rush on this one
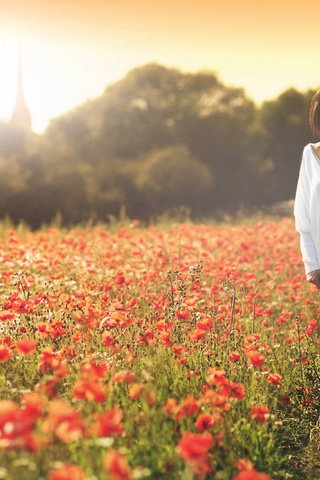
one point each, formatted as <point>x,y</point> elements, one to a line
<point>165,339</point>
<point>171,407</point>
<point>244,464</point>
<point>107,339</point>
<point>33,404</point>
<point>136,390</point>
<point>42,330</point>
<point>204,422</point>
<point>26,346</point>
<point>6,315</point>
<point>108,423</point>
<point>151,398</point>
<point>67,471</point>
<point>16,427</point>
<point>216,377</point>
<point>117,466</point>
<point>234,356</point>
<point>92,390</point>
<point>194,448</point>
<point>49,386</point>
<point>196,334</point>
<point>205,324</point>
<point>312,327</point>
<point>63,421</point>
<point>259,412</point>
<point>251,475</point>
<point>286,399</point>
<point>275,379</point>
<point>183,314</point>
<point>50,360</point>
<point>234,390</point>
<point>255,358</point>
<point>123,376</point>
<point>93,369</point>
<point>188,406</point>
<point>5,353</point>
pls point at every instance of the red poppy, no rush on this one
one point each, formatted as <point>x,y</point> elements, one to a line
<point>234,356</point>
<point>255,358</point>
<point>68,471</point>
<point>194,446</point>
<point>6,315</point>
<point>259,412</point>
<point>204,421</point>
<point>64,421</point>
<point>244,464</point>
<point>188,406</point>
<point>91,390</point>
<point>136,390</point>
<point>5,353</point>
<point>108,423</point>
<point>275,379</point>
<point>123,376</point>
<point>251,475</point>
<point>26,346</point>
<point>117,466</point>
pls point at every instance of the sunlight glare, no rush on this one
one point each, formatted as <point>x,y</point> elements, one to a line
<point>8,77</point>
<point>51,85</point>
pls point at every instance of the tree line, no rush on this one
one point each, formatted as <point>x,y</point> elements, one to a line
<point>157,140</point>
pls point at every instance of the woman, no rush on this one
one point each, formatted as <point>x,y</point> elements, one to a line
<point>307,199</point>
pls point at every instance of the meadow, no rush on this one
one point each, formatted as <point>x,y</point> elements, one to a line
<point>176,351</point>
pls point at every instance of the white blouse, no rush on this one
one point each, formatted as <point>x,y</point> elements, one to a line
<point>307,209</point>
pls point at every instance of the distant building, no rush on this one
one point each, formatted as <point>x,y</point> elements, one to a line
<point>21,117</point>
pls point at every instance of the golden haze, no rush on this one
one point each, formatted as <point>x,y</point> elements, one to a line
<point>72,50</point>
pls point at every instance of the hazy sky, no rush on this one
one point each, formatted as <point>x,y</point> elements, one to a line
<point>73,49</point>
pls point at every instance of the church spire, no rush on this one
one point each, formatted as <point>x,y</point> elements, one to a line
<point>21,117</point>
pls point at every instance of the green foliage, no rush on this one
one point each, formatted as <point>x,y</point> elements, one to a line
<point>157,140</point>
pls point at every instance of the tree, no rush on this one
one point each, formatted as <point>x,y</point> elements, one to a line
<point>286,130</point>
<point>172,177</point>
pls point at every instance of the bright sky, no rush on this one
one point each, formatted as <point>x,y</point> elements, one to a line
<point>71,50</point>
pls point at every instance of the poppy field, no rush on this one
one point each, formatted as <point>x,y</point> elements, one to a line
<point>181,352</point>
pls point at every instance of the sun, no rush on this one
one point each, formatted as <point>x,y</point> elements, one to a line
<point>15,48</point>
<point>59,73</point>
<point>8,78</point>
<point>48,91</point>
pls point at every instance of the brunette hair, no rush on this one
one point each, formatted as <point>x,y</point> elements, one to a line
<point>314,114</point>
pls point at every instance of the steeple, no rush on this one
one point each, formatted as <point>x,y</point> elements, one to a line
<point>21,117</point>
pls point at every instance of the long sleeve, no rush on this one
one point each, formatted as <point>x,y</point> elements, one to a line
<point>301,207</point>
<point>308,252</point>
<point>303,223</point>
